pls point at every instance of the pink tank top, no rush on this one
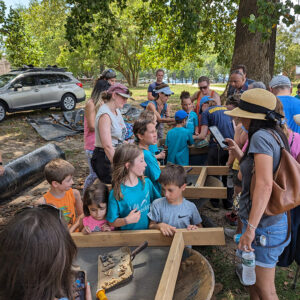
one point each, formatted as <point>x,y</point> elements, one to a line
<point>94,225</point>
<point>89,137</point>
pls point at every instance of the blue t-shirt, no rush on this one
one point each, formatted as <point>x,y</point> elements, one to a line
<point>152,170</point>
<point>139,197</point>
<point>291,107</point>
<point>180,216</point>
<point>215,116</point>
<point>152,87</point>
<point>177,142</point>
<point>153,149</point>
<point>192,122</point>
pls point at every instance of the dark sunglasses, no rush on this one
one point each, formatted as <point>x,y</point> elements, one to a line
<point>203,87</point>
<point>51,208</point>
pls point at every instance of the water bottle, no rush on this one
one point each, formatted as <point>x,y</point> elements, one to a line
<point>248,265</point>
<point>230,179</point>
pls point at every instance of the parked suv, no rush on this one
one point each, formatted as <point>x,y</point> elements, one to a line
<point>33,88</point>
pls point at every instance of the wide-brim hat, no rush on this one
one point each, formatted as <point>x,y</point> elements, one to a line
<point>254,104</point>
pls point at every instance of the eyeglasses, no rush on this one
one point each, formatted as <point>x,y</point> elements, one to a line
<point>49,207</point>
<point>203,87</point>
<point>166,95</point>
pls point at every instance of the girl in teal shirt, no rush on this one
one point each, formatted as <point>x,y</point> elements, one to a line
<point>129,200</point>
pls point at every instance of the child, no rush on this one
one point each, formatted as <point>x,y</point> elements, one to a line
<point>94,208</point>
<point>187,106</point>
<point>173,211</point>
<point>146,135</point>
<point>59,173</point>
<point>130,198</point>
<point>178,140</point>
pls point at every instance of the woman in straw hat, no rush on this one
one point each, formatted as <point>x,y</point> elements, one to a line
<point>257,112</point>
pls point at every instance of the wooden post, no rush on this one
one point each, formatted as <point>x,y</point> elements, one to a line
<point>202,177</point>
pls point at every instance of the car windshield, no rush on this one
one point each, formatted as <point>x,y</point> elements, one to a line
<point>4,79</point>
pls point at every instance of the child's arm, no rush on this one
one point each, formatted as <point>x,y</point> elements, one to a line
<point>196,130</point>
<point>133,217</point>
<point>78,203</point>
<point>165,229</point>
<point>76,224</point>
<point>193,227</point>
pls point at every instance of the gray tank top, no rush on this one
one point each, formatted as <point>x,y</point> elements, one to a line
<point>117,128</point>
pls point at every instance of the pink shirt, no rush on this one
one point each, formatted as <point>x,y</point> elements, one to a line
<point>89,137</point>
<point>295,148</point>
<point>93,224</point>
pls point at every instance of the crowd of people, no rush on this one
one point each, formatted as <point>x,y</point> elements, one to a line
<point>142,195</point>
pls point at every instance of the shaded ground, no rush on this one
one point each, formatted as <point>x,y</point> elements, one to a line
<point>17,138</point>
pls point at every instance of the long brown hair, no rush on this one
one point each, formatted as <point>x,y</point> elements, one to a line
<point>125,153</point>
<point>36,254</point>
<point>279,109</point>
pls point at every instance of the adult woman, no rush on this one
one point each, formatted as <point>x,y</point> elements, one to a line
<point>106,80</point>
<point>257,112</point>
<point>36,255</point>
<point>203,84</point>
<point>160,108</point>
<point>110,130</point>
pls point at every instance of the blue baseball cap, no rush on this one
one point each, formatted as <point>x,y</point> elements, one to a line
<point>180,115</point>
<point>166,90</point>
<point>204,100</point>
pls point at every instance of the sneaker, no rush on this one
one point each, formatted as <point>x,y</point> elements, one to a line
<point>229,232</point>
<point>231,218</point>
<point>239,272</point>
<point>215,205</point>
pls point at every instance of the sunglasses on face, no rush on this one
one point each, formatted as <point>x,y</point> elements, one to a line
<point>51,208</point>
<point>166,95</point>
<point>203,87</point>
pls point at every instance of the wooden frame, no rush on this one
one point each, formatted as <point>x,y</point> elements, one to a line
<point>182,237</point>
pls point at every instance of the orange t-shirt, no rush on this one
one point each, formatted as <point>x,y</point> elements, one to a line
<point>66,204</point>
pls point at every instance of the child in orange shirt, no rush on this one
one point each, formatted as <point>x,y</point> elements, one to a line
<point>59,174</point>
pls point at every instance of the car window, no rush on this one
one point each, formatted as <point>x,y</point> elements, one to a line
<point>63,78</point>
<point>6,78</point>
<point>47,79</point>
<point>26,81</point>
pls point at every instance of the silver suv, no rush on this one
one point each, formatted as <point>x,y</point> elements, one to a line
<point>33,88</point>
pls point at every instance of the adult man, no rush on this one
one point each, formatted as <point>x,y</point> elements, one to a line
<point>243,70</point>
<point>281,87</point>
<point>152,87</point>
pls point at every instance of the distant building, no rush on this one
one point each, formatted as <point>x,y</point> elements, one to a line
<point>297,76</point>
<point>4,66</point>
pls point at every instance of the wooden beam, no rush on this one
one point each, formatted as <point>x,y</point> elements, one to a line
<point>211,170</point>
<point>168,280</point>
<point>205,192</point>
<point>201,236</point>
<point>202,177</point>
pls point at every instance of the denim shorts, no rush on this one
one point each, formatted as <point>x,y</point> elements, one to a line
<point>275,234</point>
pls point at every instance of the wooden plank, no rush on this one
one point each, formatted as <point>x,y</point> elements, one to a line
<point>168,280</point>
<point>217,170</point>
<point>201,236</point>
<point>205,192</point>
<point>202,177</point>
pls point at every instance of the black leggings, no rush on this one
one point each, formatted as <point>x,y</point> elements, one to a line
<point>101,165</point>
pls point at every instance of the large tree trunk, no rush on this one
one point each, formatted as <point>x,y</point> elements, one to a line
<point>250,49</point>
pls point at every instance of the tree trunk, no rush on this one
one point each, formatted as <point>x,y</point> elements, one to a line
<point>250,49</point>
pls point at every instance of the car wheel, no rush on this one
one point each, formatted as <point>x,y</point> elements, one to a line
<point>68,102</point>
<point>2,112</point>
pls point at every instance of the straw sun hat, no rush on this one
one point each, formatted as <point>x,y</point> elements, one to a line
<point>256,104</point>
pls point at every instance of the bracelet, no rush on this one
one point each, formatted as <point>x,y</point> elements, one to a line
<point>251,226</point>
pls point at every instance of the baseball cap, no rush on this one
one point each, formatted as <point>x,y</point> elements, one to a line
<point>280,80</point>
<point>120,89</point>
<point>166,90</point>
<point>204,99</point>
<point>180,115</point>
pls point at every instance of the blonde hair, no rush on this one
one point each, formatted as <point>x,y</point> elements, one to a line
<point>57,170</point>
<point>147,115</point>
<point>125,153</point>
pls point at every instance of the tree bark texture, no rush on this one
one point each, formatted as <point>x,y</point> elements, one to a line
<point>250,49</point>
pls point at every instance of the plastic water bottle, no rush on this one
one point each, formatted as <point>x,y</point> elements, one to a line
<point>248,264</point>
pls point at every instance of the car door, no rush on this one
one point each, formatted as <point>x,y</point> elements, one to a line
<point>49,88</point>
<point>27,95</point>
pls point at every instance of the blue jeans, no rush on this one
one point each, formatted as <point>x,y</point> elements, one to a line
<point>92,176</point>
<point>265,256</point>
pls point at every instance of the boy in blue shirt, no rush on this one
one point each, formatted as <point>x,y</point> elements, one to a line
<point>178,140</point>
<point>187,106</point>
<point>173,211</point>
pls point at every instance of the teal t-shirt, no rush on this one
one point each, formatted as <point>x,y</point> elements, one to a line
<point>139,197</point>
<point>152,170</point>
<point>192,122</point>
<point>177,141</point>
<point>153,148</point>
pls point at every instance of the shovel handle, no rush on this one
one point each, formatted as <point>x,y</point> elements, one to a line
<point>138,250</point>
